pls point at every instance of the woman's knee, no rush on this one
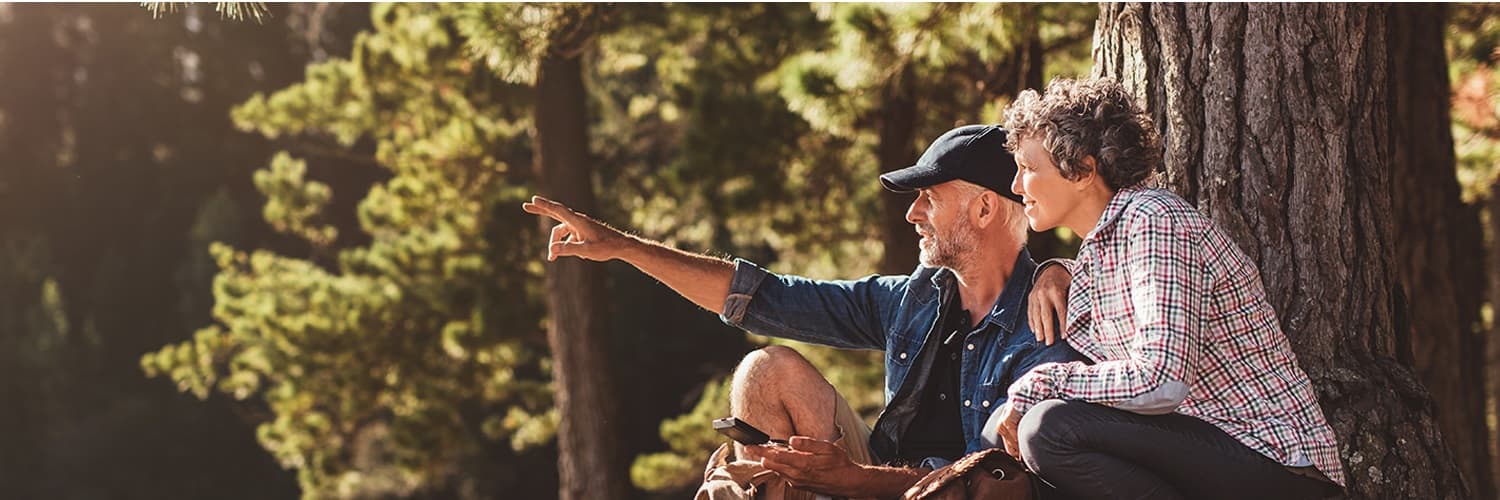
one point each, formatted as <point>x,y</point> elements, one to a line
<point>1046,432</point>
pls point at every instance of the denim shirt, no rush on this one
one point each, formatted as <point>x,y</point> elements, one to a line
<point>899,315</point>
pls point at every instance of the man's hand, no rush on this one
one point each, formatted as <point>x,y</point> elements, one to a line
<point>1010,420</point>
<point>577,235</point>
<point>813,464</point>
<point>1047,306</point>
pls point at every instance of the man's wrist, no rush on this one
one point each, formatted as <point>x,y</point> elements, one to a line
<point>1048,264</point>
<point>875,481</point>
<point>631,249</point>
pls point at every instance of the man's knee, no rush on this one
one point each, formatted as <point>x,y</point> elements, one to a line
<point>768,363</point>
<point>782,393</point>
<point>1046,432</point>
<point>774,354</point>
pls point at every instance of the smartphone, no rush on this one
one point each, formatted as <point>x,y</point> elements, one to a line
<point>744,433</point>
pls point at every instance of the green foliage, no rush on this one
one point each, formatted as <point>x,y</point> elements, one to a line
<point>510,38</point>
<point>389,367</point>
<point>294,203</point>
<point>956,57</point>
<point>1067,33</point>
<point>687,435</point>
<point>303,108</point>
<point>387,370</point>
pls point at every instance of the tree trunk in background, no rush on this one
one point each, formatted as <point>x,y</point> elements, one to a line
<point>1492,349</point>
<point>1276,120</point>
<point>1439,245</point>
<point>897,150</point>
<point>1026,73</point>
<point>589,461</point>
<point>1030,53</point>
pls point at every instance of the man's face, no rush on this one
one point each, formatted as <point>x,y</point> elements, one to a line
<point>940,214</point>
<point>1048,197</point>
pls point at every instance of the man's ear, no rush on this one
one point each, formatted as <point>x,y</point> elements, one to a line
<point>985,208</point>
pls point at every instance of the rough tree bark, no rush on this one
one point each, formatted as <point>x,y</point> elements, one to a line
<point>590,463</point>
<point>1438,241</point>
<point>1277,125</point>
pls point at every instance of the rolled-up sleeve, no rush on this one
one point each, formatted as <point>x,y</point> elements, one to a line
<point>847,314</point>
<point>742,287</point>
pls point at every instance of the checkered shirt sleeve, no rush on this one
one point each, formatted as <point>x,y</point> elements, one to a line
<point>1166,287</point>
<point>1160,297</point>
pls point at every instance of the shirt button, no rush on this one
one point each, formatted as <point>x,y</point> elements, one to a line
<point>942,397</point>
<point>903,355</point>
<point>971,347</point>
<point>966,403</point>
<point>985,404</point>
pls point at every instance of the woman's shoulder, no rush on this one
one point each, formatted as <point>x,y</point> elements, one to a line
<point>1153,207</point>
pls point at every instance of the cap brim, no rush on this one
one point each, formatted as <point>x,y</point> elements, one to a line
<point>913,178</point>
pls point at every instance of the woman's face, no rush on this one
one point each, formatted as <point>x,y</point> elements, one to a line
<point>1049,198</point>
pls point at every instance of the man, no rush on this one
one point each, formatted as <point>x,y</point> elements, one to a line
<point>954,332</point>
<point>1194,391</point>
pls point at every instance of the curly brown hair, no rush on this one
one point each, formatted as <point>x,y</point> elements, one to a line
<point>1079,118</point>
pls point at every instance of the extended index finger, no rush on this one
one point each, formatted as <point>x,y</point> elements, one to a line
<point>542,206</point>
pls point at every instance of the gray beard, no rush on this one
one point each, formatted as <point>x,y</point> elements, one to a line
<point>955,253</point>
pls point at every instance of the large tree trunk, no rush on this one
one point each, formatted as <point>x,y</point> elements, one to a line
<point>1277,125</point>
<point>589,461</point>
<point>897,150</point>
<point>1438,243</point>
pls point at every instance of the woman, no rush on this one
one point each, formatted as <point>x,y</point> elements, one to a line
<point>1193,391</point>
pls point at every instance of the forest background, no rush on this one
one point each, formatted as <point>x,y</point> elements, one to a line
<point>282,254</point>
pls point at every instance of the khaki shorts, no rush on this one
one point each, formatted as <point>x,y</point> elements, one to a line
<point>855,433</point>
<point>724,479</point>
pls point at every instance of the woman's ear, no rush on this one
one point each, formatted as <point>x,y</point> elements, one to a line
<point>1091,175</point>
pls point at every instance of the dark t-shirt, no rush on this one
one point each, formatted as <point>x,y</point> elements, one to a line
<point>936,430</point>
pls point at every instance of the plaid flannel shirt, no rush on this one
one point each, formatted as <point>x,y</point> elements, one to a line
<point>1162,299</point>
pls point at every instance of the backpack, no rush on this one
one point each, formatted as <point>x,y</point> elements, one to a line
<point>989,474</point>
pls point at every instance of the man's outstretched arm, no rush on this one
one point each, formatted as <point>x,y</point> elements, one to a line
<point>702,279</point>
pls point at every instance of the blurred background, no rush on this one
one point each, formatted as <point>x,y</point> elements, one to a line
<point>277,251</point>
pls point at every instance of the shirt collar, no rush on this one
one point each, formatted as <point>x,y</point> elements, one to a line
<point>1112,211</point>
<point>1007,308</point>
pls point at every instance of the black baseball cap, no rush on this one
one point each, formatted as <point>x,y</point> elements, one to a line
<point>974,153</point>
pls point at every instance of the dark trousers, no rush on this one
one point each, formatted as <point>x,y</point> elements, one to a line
<point>1092,451</point>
